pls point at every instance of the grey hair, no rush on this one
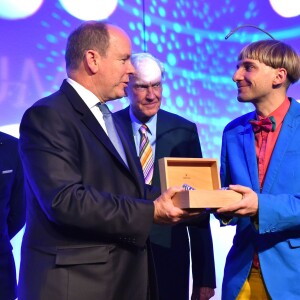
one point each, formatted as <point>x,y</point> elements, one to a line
<point>138,58</point>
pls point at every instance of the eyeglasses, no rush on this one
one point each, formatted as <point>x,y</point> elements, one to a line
<point>144,87</point>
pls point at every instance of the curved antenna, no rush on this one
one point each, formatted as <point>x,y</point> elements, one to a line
<point>242,26</point>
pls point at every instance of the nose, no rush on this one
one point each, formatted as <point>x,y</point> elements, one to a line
<point>131,69</point>
<point>237,75</point>
<point>150,92</point>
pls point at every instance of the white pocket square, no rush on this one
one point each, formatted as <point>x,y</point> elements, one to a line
<point>7,171</point>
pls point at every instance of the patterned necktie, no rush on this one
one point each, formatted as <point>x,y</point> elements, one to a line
<point>111,130</point>
<point>146,155</point>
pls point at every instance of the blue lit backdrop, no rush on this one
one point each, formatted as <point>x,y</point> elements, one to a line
<point>188,36</point>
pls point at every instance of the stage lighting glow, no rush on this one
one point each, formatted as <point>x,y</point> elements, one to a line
<point>12,129</point>
<point>15,9</point>
<point>89,9</point>
<point>286,10</point>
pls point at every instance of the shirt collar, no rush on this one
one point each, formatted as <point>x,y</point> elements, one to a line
<point>280,112</point>
<point>136,124</point>
<point>87,96</point>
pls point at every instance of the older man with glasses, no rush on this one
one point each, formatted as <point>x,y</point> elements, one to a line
<point>156,133</point>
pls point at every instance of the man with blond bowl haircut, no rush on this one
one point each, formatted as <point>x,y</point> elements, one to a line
<point>261,160</point>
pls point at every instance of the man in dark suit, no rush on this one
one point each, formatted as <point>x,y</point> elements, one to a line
<point>12,211</point>
<point>87,220</point>
<point>170,136</point>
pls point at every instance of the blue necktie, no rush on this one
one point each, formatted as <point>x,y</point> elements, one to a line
<point>111,131</point>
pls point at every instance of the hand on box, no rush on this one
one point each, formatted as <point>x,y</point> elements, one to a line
<point>166,213</point>
<point>246,207</point>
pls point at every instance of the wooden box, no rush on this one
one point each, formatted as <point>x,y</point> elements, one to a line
<point>200,173</point>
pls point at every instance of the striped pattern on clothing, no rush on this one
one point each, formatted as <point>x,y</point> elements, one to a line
<point>146,155</point>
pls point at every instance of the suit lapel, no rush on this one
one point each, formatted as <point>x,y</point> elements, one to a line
<point>123,118</point>
<point>288,130</point>
<point>161,128</point>
<point>250,154</point>
<point>124,124</point>
<point>159,134</point>
<point>92,124</point>
<point>88,118</point>
<point>129,148</point>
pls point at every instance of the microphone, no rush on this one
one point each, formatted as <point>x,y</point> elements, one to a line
<point>248,25</point>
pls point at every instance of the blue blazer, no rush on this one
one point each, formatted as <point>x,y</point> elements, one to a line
<point>12,211</point>
<point>278,238</point>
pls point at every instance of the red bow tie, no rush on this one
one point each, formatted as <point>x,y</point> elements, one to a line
<point>267,124</point>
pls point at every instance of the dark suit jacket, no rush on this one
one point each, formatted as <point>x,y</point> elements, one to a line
<point>177,137</point>
<point>12,211</point>
<point>87,223</point>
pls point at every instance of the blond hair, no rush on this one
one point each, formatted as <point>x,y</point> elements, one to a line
<point>274,54</point>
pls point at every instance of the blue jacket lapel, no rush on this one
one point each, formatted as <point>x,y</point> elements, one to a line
<point>285,137</point>
<point>249,151</point>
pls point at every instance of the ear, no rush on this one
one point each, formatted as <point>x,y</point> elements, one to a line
<point>92,60</point>
<point>280,76</point>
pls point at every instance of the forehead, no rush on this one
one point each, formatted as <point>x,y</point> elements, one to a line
<point>119,40</point>
<point>248,60</point>
<point>147,71</point>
